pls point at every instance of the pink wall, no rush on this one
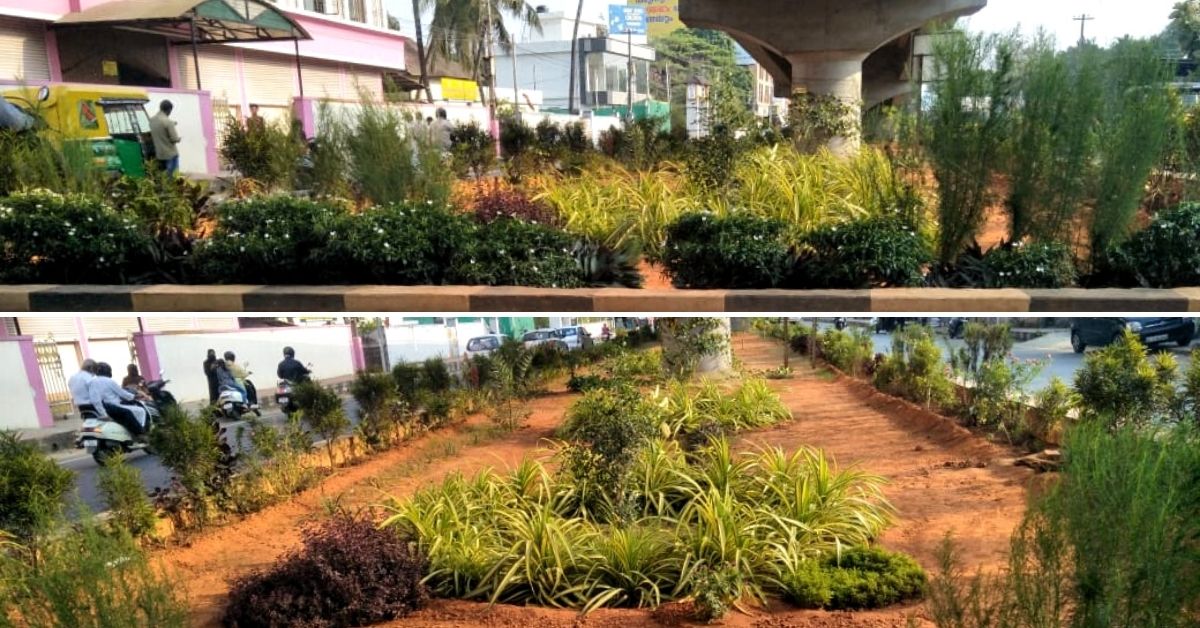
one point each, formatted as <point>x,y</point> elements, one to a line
<point>338,41</point>
<point>40,400</point>
<point>147,354</point>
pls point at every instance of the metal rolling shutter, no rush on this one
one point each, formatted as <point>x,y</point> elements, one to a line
<point>366,80</point>
<point>110,327</point>
<point>270,80</point>
<point>219,69</point>
<point>23,50</point>
<point>62,328</point>
<point>323,80</point>
<point>175,323</point>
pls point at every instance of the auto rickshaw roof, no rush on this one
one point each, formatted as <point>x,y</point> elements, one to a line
<point>216,21</point>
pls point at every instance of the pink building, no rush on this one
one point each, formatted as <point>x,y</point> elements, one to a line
<point>349,50</point>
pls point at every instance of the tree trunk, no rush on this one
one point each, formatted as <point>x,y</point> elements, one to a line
<point>421,57</point>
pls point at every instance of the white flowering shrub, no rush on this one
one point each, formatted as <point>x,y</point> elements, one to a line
<point>52,238</point>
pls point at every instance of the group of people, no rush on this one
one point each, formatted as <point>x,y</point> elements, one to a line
<point>225,372</point>
<point>94,392</point>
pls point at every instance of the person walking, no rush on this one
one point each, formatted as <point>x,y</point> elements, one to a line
<point>442,130</point>
<point>166,138</point>
<point>210,365</point>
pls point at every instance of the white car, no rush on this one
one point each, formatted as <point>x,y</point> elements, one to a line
<point>539,337</point>
<point>576,337</point>
<point>484,345</point>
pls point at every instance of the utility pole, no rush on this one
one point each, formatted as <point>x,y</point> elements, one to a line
<point>1083,20</point>
<point>574,59</point>
<point>491,65</point>
<point>629,72</point>
<point>516,95</point>
<point>787,341</point>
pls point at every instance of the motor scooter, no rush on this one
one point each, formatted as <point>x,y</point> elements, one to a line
<point>285,396</point>
<point>102,437</point>
<point>232,406</point>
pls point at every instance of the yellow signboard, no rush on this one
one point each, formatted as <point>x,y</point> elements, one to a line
<point>459,89</point>
<point>662,15</point>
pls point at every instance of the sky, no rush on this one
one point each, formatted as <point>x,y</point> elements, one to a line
<point>1114,18</point>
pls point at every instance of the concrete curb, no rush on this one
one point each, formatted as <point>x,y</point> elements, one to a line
<point>504,299</point>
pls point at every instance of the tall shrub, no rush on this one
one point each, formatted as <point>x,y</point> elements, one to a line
<point>32,487</point>
<point>966,130</point>
<point>1055,138</point>
<point>1135,128</point>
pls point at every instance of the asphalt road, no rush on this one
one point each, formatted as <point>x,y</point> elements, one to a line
<point>154,474</point>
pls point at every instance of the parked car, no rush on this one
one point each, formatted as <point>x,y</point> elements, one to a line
<point>539,337</point>
<point>484,345</point>
<point>575,337</point>
<point>1099,332</point>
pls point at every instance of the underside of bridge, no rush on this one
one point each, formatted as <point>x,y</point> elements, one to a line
<point>856,50</point>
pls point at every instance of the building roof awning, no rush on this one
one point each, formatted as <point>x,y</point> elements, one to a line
<point>216,21</point>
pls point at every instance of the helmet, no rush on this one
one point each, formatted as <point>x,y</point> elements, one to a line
<point>289,352</point>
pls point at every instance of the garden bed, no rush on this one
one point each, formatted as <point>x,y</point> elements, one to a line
<point>419,299</point>
<point>923,456</point>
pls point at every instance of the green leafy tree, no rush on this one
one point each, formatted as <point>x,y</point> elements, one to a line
<point>459,31</point>
<point>688,54</point>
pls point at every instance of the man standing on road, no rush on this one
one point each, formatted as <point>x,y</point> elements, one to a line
<point>166,138</point>
<point>107,396</point>
<point>442,132</point>
<point>291,369</point>
<point>78,385</point>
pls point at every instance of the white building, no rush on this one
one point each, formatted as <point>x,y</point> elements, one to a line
<point>543,64</point>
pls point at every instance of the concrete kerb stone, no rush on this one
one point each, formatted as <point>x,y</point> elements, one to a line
<point>948,300</point>
<point>1108,300</point>
<point>243,298</point>
<point>410,298</point>
<point>515,299</point>
<point>179,298</point>
<point>632,300</point>
<point>798,301</point>
<point>16,298</point>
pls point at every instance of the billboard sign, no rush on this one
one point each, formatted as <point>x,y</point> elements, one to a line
<point>625,18</point>
<point>662,16</point>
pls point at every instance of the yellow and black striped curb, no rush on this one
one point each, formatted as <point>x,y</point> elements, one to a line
<point>438,299</point>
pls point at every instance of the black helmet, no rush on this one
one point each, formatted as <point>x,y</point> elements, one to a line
<point>289,352</point>
<point>103,369</point>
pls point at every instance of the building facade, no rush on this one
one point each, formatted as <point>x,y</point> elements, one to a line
<point>603,79</point>
<point>350,52</point>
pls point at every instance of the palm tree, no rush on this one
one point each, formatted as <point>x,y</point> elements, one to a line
<point>459,31</point>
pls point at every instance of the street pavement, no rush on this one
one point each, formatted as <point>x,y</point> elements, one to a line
<point>154,474</point>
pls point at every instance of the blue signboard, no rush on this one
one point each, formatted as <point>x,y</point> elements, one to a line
<point>624,18</point>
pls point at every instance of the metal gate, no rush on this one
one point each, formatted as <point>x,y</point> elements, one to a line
<point>53,378</point>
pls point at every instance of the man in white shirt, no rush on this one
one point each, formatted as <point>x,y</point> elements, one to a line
<point>107,396</point>
<point>81,398</point>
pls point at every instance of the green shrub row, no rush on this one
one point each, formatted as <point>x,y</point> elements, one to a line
<point>48,238</point>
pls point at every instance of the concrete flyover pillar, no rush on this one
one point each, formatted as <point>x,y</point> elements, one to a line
<point>820,45</point>
<point>833,73</point>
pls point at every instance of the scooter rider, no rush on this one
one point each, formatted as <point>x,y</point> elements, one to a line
<point>291,369</point>
<point>107,398</point>
<point>240,377</point>
<point>78,385</point>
